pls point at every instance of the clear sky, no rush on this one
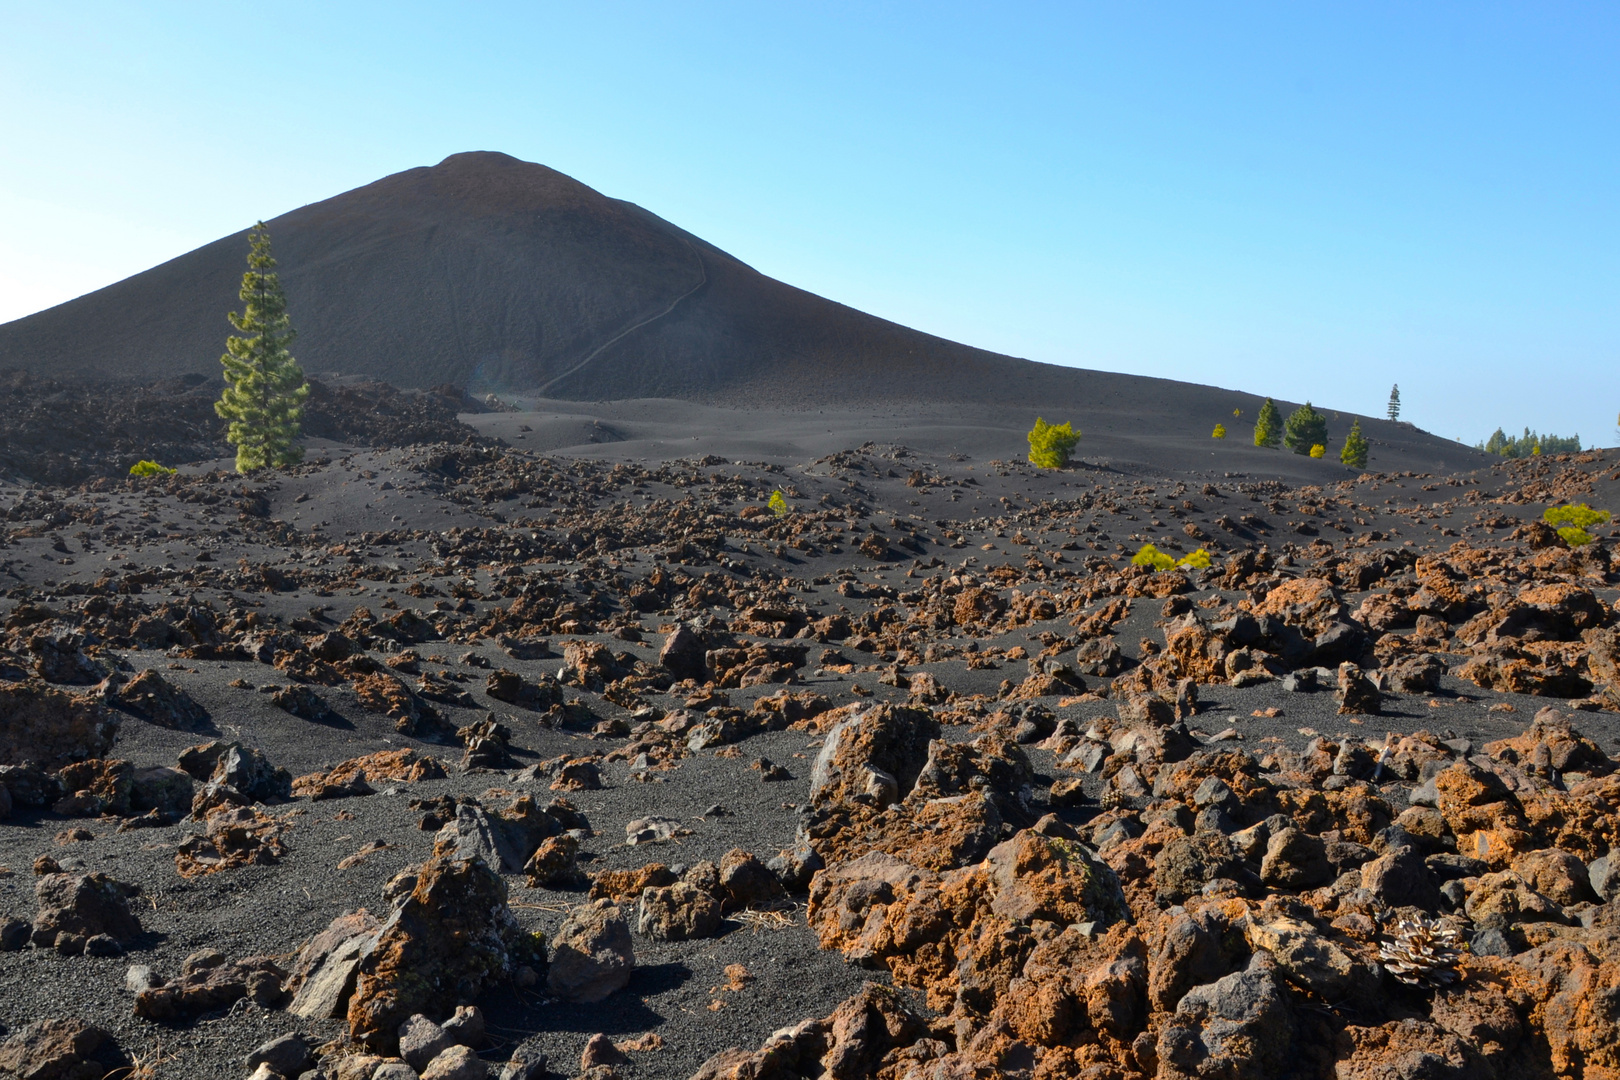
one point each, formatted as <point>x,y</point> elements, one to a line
<point>1311,200</point>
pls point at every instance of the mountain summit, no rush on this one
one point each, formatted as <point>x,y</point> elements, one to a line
<point>491,273</point>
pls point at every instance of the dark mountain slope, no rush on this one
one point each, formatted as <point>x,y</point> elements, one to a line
<point>491,274</point>
<point>495,274</point>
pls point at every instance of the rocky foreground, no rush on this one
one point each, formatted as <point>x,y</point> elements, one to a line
<point>454,761</point>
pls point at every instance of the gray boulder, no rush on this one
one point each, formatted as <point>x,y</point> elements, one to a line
<point>1295,859</point>
<point>474,835</point>
<point>1237,1026</point>
<point>421,1040</point>
<point>1604,875</point>
<point>678,912</point>
<point>81,906</point>
<point>1400,878</point>
<point>456,1063</point>
<point>594,956</point>
<point>287,1055</point>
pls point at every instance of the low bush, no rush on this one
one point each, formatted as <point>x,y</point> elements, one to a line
<point>150,468</point>
<point>1318,450</point>
<point>1051,444</point>
<point>1577,514</point>
<point>1151,556</point>
<point>1573,520</point>
<point>778,504</point>
<point>1575,536</point>
<point>1219,432</point>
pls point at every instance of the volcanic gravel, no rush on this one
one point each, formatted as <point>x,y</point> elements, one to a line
<point>493,547</point>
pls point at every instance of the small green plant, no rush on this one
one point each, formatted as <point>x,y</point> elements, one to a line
<point>150,468</point>
<point>1155,559</point>
<point>1575,536</point>
<point>1051,444</point>
<point>1219,432</point>
<point>1573,520</point>
<point>1305,428</point>
<point>1578,514</point>
<point>1318,450</point>
<point>1268,426</point>
<point>778,504</point>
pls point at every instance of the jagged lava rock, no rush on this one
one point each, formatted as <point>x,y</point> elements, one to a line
<point>441,947</point>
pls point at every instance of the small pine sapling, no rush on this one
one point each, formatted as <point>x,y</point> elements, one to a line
<point>1354,452</point>
<point>1268,426</point>
<point>1219,432</point>
<point>1305,428</point>
<point>1395,402</point>
<point>1051,444</point>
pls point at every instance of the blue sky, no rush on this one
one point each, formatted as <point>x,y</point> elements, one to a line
<point>1305,200</point>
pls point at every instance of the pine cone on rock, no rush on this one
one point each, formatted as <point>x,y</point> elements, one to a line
<point>1423,952</point>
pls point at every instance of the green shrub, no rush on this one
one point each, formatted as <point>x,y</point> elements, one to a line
<point>1318,451</point>
<point>150,468</point>
<point>1354,451</point>
<point>1051,444</point>
<point>1575,536</point>
<point>1152,557</point>
<point>1219,432</point>
<point>1199,560</point>
<point>1268,425</point>
<point>1305,428</point>
<point>778,503</point>
<point>1573,520</point>
<point>1530,444</point>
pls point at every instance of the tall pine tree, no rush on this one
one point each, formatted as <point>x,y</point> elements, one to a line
<point>265,388</point>
<point>1395,402</point>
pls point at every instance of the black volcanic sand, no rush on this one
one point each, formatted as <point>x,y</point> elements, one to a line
<point>1167,436</point>
<point>357,528</point>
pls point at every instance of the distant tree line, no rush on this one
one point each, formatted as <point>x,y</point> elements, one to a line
<point>1529,444</point>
